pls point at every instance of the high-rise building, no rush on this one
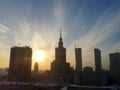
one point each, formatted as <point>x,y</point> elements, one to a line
<point>78,71</point>
<point>20,64</point>
<point>98,67</point>
<point>36,67</point>
<point>59,67</point>
<point>78,55</point>
<point>115,63</point>
<point>60,52</point>
<point>97,53</point>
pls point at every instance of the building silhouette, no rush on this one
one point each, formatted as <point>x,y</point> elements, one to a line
<point>114,67</point>
<point>59,67</point>
<point>36,67</point>
<point>88,76</point>
<point>78,70</point>
<point>20,64</point>
<point>78,55</point>
<point>115,63</point>
<point>98,67</point>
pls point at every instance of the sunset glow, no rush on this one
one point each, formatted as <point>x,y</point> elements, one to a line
<point>38,55</point>
<point>88,24</point>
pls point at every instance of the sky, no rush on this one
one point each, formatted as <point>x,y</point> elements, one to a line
<point>88,24</point>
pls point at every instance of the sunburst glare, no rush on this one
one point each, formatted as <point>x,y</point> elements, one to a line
<point>38,55</point>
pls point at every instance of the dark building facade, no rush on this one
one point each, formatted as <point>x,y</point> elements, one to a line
<point>20,64</point>
<point>98,65</point>
<point>36,67</point>
<point>88,76</point>
<point>115,63</point>
<point>97,53</point>
<point>78,55</point>
<point>115,67</point>
<point>59,67</point>
<point>78,71</point>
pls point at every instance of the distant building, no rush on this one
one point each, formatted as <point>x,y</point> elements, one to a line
<point>20,64</point>
<point>36,67</point>
<point>115,68</point>
<point>115,63</point>
<point>1,71</point>
<point>59,67</point>
<point>98,66</point>
<point>88,76</point>
<point>78,55</point>
<point>97,53</point>
<point>78,71</point>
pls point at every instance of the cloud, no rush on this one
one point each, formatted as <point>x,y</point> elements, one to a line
<point>104,29</point>
<point>3,46</point>
<point>4,29</point>
<point>3,35</point>
<point>43,32</point>
<point>59,13</point>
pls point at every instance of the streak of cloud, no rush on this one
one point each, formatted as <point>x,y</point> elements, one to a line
<point>87,24</point>
<point>4,29</point>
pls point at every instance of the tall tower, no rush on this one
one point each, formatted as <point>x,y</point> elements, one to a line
<point>60,52</point>
<point>36,67</point>
<point>97,53</point>
<point>78,56</point>
<point>59,67</point>
<point>78,73</point>
<point>115,64</point>
<point>98,67</point>
<point>115,67</point>
<point>20,64</point>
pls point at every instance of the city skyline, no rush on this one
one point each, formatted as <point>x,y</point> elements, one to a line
<point>89,24</point>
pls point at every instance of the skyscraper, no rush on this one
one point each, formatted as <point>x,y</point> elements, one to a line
<point>98,67</point>
<point>78,71</point>
<point>78,55</point>
<point>115,63</point>
<point>20,64</point>
<point>36,67</point>
<point>59,67</point>
<point>60,52</point>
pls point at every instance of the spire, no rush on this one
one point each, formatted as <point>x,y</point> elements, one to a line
<point>60,33</point>
<point>60,39</point>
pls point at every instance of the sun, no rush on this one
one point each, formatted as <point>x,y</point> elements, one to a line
<point>38,55</point>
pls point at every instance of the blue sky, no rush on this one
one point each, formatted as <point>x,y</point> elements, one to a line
<point>87,23</point>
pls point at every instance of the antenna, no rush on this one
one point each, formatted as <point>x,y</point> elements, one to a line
<point>60,32</point>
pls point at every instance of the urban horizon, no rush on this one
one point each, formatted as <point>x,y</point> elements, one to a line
<point>86,24</point>
<point>60,70</point>
<point>40,59</point>
<point>59,44</point>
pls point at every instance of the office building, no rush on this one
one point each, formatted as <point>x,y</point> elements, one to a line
<point>78,55</point>
<point>78,70</point>
<point>36,67</point>
<point>115,63</point>
<point>97,53</point>
<point>98,66</point>
<point>20,64</point>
